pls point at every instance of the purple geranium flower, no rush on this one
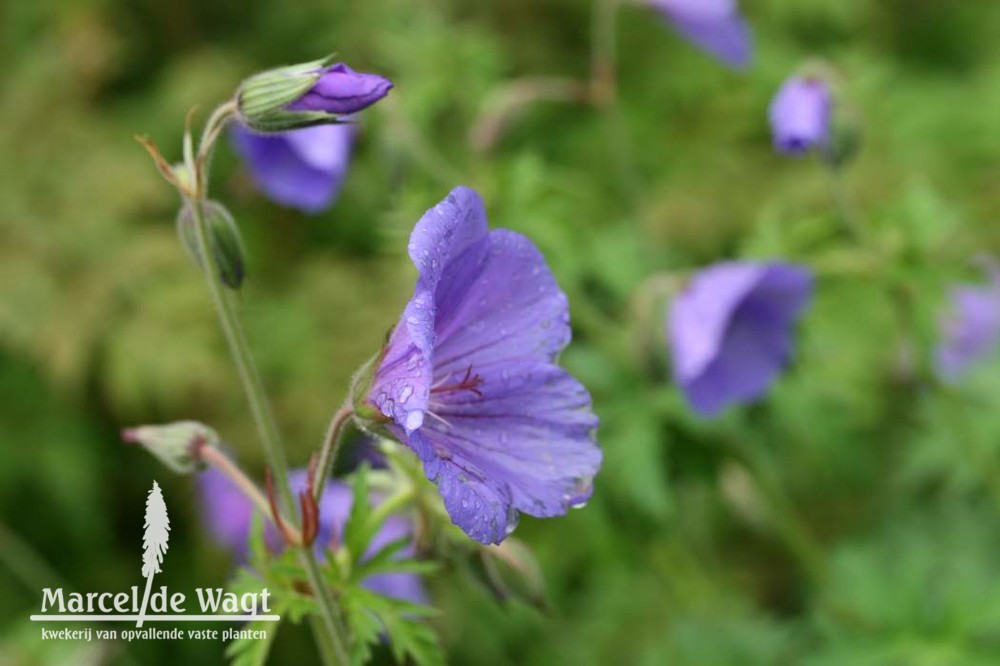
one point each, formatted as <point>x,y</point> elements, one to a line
<point>970,331</point>
<point>342,91</point>
<point>469,380</point>
<point>800,115</point>
<point>715,26</point>
<point>302,168</point>
<point>228,515</point>
<point>730,330</point>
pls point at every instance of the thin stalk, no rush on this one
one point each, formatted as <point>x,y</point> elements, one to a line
<point>984,462</point>
<point>331,445</point>
<point>221,462</point>
<point>785,519</point>
<point>604,94</point>
<point>846,212</point>
<point>334,635</point>
<point>330,615</point>
<point>249,377</point>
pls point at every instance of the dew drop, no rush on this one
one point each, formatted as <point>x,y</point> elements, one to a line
<point>405,393</point>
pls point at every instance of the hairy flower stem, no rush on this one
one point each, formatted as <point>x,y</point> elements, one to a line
<point>604,95</point>
<point>215,458</point>
<point>785,519</point>
<point>249,377</point>
<point>331,445</point>
<point>846,212</point>
<point>332,639</point>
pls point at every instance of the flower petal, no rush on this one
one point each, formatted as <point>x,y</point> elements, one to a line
<point>970,332</point>
<point>282,174</point>
<point>756,335</point>
<point>453,232</point>
<point>324,147</point>
<point>227,513</point>
<point>522,441</point>
<point>716,26</point>
<point>699,316</point>
<point>507,306</point>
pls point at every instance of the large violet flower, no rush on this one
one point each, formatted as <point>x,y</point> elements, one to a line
<point>800,115</point>
<point>228,514</point>
<point>301,168</point>
<point>730,331</point>
<point>715,26</point>
<point>469,380</point>
<point>970,331</point>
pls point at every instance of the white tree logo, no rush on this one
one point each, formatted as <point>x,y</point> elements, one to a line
<point>154,542</point>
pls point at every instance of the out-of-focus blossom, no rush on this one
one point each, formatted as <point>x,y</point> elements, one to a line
<point>469,380</point>
<point>225,511</point>
<point>228,514</point>
<point>302,168</point>
<point>307,94</point>
<point>969,331</point>
<point>715,26</point>
<point>800,115</point>
<point>731,331</point>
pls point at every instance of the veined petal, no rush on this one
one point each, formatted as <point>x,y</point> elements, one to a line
<point>454,232</point>
<point>513,309</point>
<point>523,440</point>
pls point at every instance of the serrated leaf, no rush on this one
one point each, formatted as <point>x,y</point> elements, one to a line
<point>370,615</point>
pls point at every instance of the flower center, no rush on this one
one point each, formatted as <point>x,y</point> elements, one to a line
<point>470,382</point>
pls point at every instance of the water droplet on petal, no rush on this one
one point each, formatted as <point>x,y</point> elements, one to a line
<point>405,393</point>
<point>414,420</point>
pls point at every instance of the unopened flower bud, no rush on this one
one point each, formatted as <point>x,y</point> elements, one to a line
<point>512,572</point>
<point>800,115</point>
<point>304,95</point>
<point>224,241</point>
<point>177,445</point>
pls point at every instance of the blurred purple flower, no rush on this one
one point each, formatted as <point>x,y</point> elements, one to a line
<point>226,512</point>
<point>228,516</point>
<point>715,26</point>
<point>800,115</point>
<point>342,91</point>
<point>730,331</point>
<point>970,331</point>
<point>302,168</point>
<point>469,380</point>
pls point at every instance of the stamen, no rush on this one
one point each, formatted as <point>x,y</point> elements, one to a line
<point>469,383</point>
<point>439,418</point>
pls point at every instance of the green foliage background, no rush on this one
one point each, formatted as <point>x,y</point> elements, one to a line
<point>681,556</point>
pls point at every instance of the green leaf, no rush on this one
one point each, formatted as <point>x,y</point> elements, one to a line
<point>253,651</point>
<point>356,530</point>
<point>386,561</point>
<point>369,615</point>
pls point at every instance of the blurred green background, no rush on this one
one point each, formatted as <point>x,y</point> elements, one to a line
<point>681,556</point>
